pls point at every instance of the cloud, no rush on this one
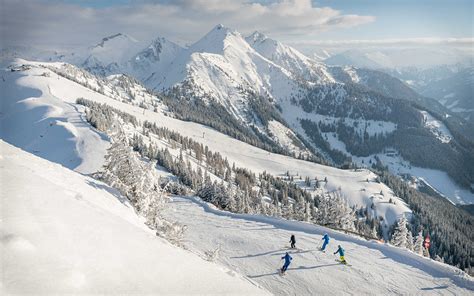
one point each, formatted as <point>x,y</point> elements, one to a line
<point>390,42</point>
<point>61,24</point>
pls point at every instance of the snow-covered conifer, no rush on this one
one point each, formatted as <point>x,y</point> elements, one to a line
<point>418,245</point>
<point>400,233</point>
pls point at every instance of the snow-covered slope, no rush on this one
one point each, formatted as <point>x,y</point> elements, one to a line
<point>35,120</point>
<point>353,184</point>
<point>289,58</point>
<point>254,245</point>
<point>436,127</point>
<point>65,233</point>
<point>152,62</point>
<point>110,54</point>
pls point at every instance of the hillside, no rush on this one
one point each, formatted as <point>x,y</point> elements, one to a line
<point>65,233</point>
<point>353,184</point>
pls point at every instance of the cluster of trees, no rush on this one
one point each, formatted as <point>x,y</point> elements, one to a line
<point>367,223</point>
<point>334,211</point>
<point>137,180</point>
<point>239,190</point>
<point>263,109</point>
<point>402,237</point>
<point>120,87</point>
<point>360,144</point>
<point>357,101</point>
<point>102,116</point>
<point>79,76</point>
<point>422,148</point>
<point>451,229</point>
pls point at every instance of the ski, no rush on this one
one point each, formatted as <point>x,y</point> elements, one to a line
<point>342,262</point>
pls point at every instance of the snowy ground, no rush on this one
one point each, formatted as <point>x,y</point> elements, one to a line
<point>253,246</point>
<point>65,233</point>
<point>436,127</point>
<point>35,120</point>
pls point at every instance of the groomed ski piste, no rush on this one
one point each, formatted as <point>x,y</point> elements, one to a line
<point>66,233</point>
<point>253,246</point>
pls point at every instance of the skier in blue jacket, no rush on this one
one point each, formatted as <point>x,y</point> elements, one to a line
<point>288,259</point>
<point>326,241</point>
<point>340,250</point>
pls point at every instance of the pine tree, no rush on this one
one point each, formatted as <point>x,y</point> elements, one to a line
<point>308,216</point>
<point>418,245</point>
<point>409,244</point>
<point>400,233</point>
<point>334,211</point>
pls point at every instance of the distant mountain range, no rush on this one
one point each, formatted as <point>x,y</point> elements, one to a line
<point>443,74</point>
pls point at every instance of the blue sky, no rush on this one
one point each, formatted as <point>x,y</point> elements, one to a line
<point>73,22</point>
<point>394,18</point>
<point>408,19</point>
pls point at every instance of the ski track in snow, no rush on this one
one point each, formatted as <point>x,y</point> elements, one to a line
<point>254,245</point>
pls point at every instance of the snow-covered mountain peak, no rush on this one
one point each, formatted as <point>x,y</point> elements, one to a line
<point>289,58</point>
<point>111,52</point>
<point>256,37</point>
<point>158,46</point>
<point>218,39</point>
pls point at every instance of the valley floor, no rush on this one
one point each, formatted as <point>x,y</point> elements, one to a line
<point>254,245</point>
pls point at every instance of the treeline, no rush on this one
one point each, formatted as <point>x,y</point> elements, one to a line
<point>101,116</point>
